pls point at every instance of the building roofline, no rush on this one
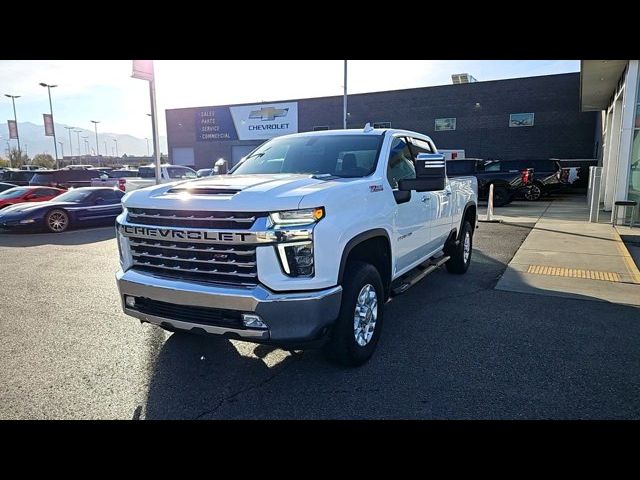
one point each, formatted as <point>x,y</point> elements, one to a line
<point>462,85</point>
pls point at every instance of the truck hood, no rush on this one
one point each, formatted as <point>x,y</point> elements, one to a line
<point>242,193</point>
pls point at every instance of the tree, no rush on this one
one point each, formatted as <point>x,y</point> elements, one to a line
<point>4,162</point>
<point>44,160</point>
<point>17,159</point>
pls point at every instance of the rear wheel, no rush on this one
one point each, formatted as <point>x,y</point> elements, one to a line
<point>533,193</point>
<point>57,221</point>
<point>500,196</point>
<point>356,332</point>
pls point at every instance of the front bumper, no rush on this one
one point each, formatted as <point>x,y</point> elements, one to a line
<point>291,317</point>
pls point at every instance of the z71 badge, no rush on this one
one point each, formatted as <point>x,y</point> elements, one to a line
<point>375,188</point>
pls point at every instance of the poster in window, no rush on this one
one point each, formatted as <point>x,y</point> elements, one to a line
<point>521,120</point>
<point>445,124</point>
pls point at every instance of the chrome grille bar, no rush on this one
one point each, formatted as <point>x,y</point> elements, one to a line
<point>192,248</point>
<point>177,258</point>
<point>196,270</point>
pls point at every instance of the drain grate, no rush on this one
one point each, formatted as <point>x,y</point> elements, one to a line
<point>573,273</point>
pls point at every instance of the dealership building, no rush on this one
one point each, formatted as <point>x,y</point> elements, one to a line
<point>522,118</point>
<point>612,89</point>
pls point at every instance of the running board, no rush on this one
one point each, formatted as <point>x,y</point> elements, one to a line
<point>409,279</point>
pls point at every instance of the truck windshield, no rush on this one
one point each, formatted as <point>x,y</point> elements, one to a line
<point>346,156</point>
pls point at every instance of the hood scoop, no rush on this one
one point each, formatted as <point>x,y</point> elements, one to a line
<point>204,191</point>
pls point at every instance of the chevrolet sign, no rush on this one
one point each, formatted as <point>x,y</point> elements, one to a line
<point>198,236</point>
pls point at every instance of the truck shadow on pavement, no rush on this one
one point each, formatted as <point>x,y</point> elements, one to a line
<point>70,237</point>
<point>195,377</point>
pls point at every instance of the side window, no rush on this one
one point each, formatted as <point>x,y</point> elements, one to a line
<point>420,146</point>
<point>178,172</point>
<point>492,167</point>
<point>401,165</point>
<point>110,196</point>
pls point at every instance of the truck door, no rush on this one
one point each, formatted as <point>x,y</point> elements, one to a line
<point>411,232</point>
<point>438,204</point>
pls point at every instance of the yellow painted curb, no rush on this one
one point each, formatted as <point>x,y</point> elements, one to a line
<point>628,259</point>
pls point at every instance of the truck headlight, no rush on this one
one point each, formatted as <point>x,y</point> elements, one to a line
<point>297,259</point>
<point>296,217</point>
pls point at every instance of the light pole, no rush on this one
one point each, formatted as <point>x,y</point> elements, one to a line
<point>95,124</point>
<point>15,118</point>
<point>147,145</point>
<point>116,140</point>
<point>344,101</point>
<point>53,125</point>
<point>78,132</point>
<point>152,127</point>
<point>86,144</point>
<point>62,149</point>
<point>70,143</point>
<point>106,150</point>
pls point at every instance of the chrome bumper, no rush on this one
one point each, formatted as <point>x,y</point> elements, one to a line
<point>290,317</point>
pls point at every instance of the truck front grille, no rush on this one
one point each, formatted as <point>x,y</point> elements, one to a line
<point>193,219</point>
<point>186,313</point>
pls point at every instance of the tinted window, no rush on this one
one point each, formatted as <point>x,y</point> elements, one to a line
<point>76,196</point>
<point>13,193</point>
<point>461,167</point>
<point>514,165</point>
<point>23,176</point>
<point>338,155</point>
<point>109,196</point>
<point>122,173</point>
<point>147,172</point>
<point>401,165</point>
<point>420,146</point>
<point>544,165</point>
<point>41,192</point>
<point>492,167</point>
<point>180,172</point>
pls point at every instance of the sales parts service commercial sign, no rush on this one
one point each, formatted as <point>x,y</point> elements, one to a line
<point>246,122</point>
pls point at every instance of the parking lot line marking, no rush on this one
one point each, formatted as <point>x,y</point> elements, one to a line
<point>573,273</point>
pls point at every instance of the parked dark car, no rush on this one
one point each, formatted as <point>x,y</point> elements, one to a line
<point>20,178</point>
<point>547,176</point>
<point>6,186</point>
<point>64,178</point>
<point>77,207</point>
<point>506,184</point>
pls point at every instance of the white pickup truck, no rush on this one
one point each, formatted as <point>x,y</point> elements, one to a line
<point>146,177</point>
<point>300,244</point>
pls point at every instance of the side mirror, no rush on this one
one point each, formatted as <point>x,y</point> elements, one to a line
<point>430,174</point>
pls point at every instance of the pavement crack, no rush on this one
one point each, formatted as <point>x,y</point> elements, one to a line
<point>294,357</point>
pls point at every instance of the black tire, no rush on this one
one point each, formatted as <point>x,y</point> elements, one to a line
<point>342,347</point>
<point>500,196</point>
<point>56,221</point>
<point>459,262</point>
<point>533,193</point>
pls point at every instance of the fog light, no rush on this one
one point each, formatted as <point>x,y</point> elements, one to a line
<point>251,320</point>
<point>130,301</point>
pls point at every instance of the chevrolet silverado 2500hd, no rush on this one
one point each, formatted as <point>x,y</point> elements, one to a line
<point>300,244</point>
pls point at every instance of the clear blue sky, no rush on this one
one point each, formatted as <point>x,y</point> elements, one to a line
<point>104,90</point>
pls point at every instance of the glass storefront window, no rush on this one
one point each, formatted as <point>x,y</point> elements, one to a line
<point>634,172</point>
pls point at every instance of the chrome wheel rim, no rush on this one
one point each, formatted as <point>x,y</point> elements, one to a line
<point>57,221</point>
<point>533,193</point>
<point>467,247</point>
<point>365,315</point>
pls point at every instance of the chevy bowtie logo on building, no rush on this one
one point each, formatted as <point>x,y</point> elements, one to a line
<point>269,113</point>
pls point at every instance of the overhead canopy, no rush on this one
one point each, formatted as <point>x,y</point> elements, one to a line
<point>598,80</point>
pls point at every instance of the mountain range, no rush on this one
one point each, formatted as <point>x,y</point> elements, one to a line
<point>34,141</point>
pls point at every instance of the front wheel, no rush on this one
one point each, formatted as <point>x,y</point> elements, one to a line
<point>57,221</point>
<point>356,332</point>
<point>461,253</point>
<point>500,196</point>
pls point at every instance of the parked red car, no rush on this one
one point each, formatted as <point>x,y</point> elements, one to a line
<point>28,194</point>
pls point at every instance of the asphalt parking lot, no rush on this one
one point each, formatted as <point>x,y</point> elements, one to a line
<point>452,348</point>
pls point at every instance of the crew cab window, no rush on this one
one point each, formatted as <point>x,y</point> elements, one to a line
<point>401,165</point>
<point>492,167</point>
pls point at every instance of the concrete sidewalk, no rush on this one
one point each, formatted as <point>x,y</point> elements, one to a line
<point>564,255</point>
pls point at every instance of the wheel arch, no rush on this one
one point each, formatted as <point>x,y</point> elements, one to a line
<point>374,247</point>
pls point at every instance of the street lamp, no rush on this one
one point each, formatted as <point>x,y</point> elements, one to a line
<point>78,132</point>
<point>86,144</point>
<point>15,118</point>
<point>147,145</point>
<point>95,124</point>
<point>70,142</point>
<point>116,140</point>
<point>62,149</point>
<point>53,126</point>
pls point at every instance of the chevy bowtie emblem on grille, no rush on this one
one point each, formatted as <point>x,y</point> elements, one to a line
<point>269,113</point>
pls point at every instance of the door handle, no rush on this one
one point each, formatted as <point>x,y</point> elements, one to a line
<point>448,192</point>
<point>425,199</point>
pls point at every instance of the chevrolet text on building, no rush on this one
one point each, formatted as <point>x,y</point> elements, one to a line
<point>301,244</point>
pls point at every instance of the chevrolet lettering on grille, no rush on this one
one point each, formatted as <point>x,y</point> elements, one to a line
<point>184,234</point>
